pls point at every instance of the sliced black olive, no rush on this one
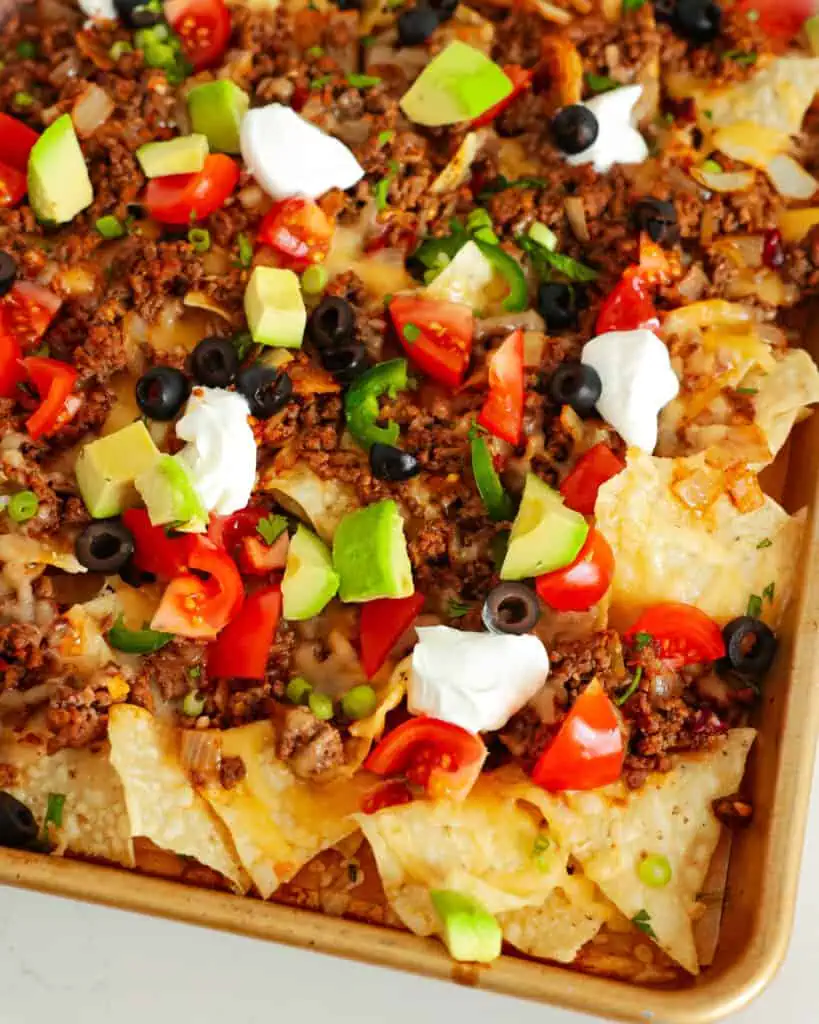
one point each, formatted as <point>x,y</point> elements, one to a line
<point>699,21</point>
<point>750,646</point>
<point>658,218</point>
<point>558,304</point>
<point>266,390</point>
<point>347,362</point>
<point>510,608</point>
<point>214,362</point>
<point>416,25</point>
<point>105,546</point>
<point>577,385</point>
<point>390,463</point>
<point>161,392</point>
<point>331,323</point>
<point>574,128</point>
<point>8,272</point>
<point>18,829</point>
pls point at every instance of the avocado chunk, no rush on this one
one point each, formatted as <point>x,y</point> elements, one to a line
<point>106,469</point>
<point>470,932</point>
<point>274,308</point>
<point>461,83</point>
<point>58,183</point>
<point>370,554</point>
<point>170,496</point>
<point>310,581</point>
<point>183,155</point>
<point>545,534</point>
<point>216,110</point>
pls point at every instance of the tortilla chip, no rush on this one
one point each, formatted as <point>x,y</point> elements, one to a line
<point>320,503</point>
<point>162,804</point>
<point>714,559</point>
<point>609,830</point>
<point>782,396</point>
<point>278,822</point>
<point>19,550</point>
<point>95,819</point>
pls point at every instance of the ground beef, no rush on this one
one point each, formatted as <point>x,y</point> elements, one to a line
<point>175,669</point>
<point>77,717</point>
<point>231,772</point>
<point>25,657</point>
<point>574,663</point>
<point>309,746</point>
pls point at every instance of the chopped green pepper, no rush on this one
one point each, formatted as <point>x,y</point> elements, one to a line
<point>497,501</point>
<point>361,402</point>
<point>508,267</point>
<point>136,641</point>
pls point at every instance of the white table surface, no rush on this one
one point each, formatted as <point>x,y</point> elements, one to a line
<point>65,961</point>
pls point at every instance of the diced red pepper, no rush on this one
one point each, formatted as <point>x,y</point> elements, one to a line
<point>521,79</point>
<point>382,623</point>
<point>587,476</point>
<point>54,381</point>
<point>11,368</point>
<point>502,413</point>
<point>242,648</point>
<point>629,306</point>
<point>154,550</point>
<point>16,142</point>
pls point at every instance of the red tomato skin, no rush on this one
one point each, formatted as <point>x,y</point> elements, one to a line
<point>443,347</point>
<point>388,794</point>
<point>27,311</point>
<point>16,142</point>
<point>204,28</point>
<point>502,412</point>
<point>154,551</point>
<point>629,306</point>
<point>11,370</point>
<point>583,583</point>
<point>299,231</point>
<point>587,476</point>
<point>780,20</point>
<point>521,79</point>
<point>589,748</point>
<point>198,608</point>
<point>242,648</point>
<point>184,198</point>
<point>54,381</point>
<point>685,634</point>
<point>13,185</point>
<point>382,623</point>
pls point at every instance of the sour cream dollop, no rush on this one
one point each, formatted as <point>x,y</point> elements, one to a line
<point>618,141</point>
<point>221,452</point>
<point>289,156</point>
<point>99,9</point>
<point>475,680</point>
<point>637,380</point>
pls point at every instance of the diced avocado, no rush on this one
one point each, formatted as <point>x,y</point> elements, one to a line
<point>461,83</point>
<point>216,110</point>
<point>183,155</point>
<point>546,535</point>
<point>811,30</point>
<point>170,496</point>
<point>370,554</point>
<point>309,578</point>
<point>470,932</point>
<point>58,183</point>
<point>106,469</point>
<point>274,308</point>
<point>467,278</point>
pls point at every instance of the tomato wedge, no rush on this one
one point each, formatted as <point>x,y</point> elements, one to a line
<point>154,551</point>
<point>502,413</point>
<point>238,535</point>
<point>521,79</point>
<point>589,748</point>
<point>684,634</point>
<point>629,306</point>
<point>583,583</point>
<point>299,231</point>
<point>16,142</point>
<point>587,476</point>
<point>13,185</point>
<point>54,381</point>
<point>387,794</point>
<point>382,623</point>
<point>437,335</point>
<point>242,648</point>
<point>203,27</point>
<point>183,198</point>
<point>27,311</point>
<point>444,759</point>
<point>196,607</point>
<point>781,19</point>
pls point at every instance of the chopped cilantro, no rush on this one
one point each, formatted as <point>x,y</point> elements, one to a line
<point>766,542</point>
<point>380,192</point>
<point>754,606</point>
<point>642,920</point>
<point>243,343</point>
<point>457,609</point>
<point>545,261</point>
<point>321,81</point>
<point>385,136</point>
<point>315,51</point>
<point>195,671</point>
<point>642,640</point>
<point>632,5</point>
<point>768,592</point>
<point>600,83</point>
<point>500,184</point>
<point>746,391</point>
<point>411,332</point>
<point>271,527</point>
<point>26,49</point>
<point>367,40</point>
<point>358,81</point>
<point>709,114</point>
<point>632,686</point>
<point>743,57</point>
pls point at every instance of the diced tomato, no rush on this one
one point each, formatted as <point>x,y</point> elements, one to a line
<point>196,607</point>
<point>437,335</point>
<point>502,412</point>
<point>16,142</point>
<point>54,381</point>
<point>781,19</point>
<point>388,794</point>
<point>154,551</point>
<point>203,27</point>
<point>242,648</point>
<point>11,369</point>
<point>684,634</point>
<point>299,231</point>
<point>183,198</point>
<point>382,623</point>
<point>238,534</point>
<point>27,311</point>
<point>587,476</point>
<point>589,748</point>
<point>521,79</point>
<point>654,265</point>
<point>583,583</point>
<point>13,185</point>
<point>442,758</point>
<point>629,306</point>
